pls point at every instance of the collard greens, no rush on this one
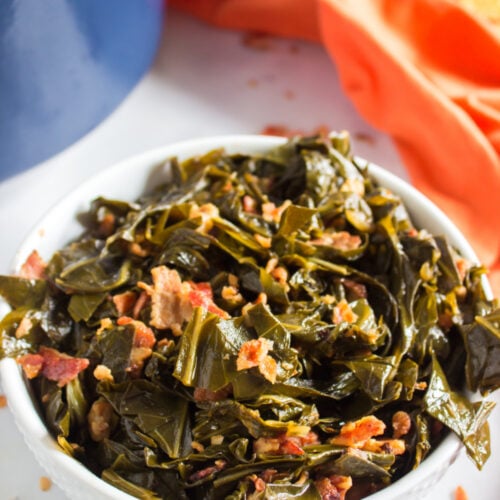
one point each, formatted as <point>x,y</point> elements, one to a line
<point>265,326</point>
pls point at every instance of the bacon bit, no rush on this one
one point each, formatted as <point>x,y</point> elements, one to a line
<point>44,483</point>
<point>216,440</point>
<point>201,394</point>
<point>284,445</point>
<point>412,232</point>
<point>33,267</point>
<point>197,446</point>
<point>392,446</point>
<point>263,241</point>
<point>341,240</point>
<point>249,204</point>
<point>280,274</point>
<point>135,249</point>
<point>257,41</point>
<point>207,212</point>
<point>355,434</point>
<point>99,420</point>
<point>271,264</point>
<point>32,364</point>
<point>143,335</point>
<point>268,475</point>
<point>401,424</point>
<point>272,213</point>
<point>142,344</point>
<point>258,482</point>
<point>203,473</point>
<point>357,290</point>
<point>106,324</point>
<point>173,300</point>
<point>333,487</point>
<point>231,294</point>
<point>463,266</point>
<point>252,353</point>
<point>201,295</point>
<point>107,225</point>
<point>170,305</point>
<point>24,327</point>
<point>269,369</point>
<point>140,303</point>
<point>53,365</point>
<point>343,312</point>
<point>124,302</point>
<point>103,373</point>
<point>460,494</point>
<point>3,401</point>
<point>420,386</point>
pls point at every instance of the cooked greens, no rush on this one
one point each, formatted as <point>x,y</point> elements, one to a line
<point>260,326</point>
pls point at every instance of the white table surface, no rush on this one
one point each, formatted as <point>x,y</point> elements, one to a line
<point>204,82</point>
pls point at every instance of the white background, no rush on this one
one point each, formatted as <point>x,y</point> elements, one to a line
<point>204,82</point>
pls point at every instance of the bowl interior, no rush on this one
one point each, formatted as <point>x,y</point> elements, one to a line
<point>127,180</point>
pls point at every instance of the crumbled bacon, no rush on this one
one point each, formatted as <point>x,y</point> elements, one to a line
<point>143,335</point>
<point>207,471</point>
<point>341,240</point>
<point>355,434</point>
<point>140,303</point>
<point>207,212</point>
<point>463,265</point>
<point>284,445</point>
<point>272,213</point>
<point>392,446</point>
<point>263,241</point>
<point>124,302</point>
<point>172,300</point>
<point>107,225</point>
<point>33,267</point>
<point>52,364</point>
<point>249,204</point>
<point>103,373</point>
<point>401,424</point>
<point>99,420</point>
<point>201,295</point>
<point>136,249</point>
<point>142,344</point>
<point>342,311</point>
<point>333,487</point>
<point>253,353</point>
<point>24,327</point>
<point>357,290</point>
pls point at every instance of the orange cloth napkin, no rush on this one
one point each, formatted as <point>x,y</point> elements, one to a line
<point>427,72</point>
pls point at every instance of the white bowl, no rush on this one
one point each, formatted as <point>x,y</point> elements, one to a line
<point>127,180</point>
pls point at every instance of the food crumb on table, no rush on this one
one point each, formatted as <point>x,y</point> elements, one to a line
<point>45,483</point>
<point>460,494</point>
<point>3,401</point>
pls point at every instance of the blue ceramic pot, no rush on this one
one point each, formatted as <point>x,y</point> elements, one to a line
<point>64,66</point>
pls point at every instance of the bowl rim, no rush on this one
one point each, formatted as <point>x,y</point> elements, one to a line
<point>25,414</point>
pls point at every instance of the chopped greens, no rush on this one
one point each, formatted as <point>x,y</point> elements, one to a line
<point>268,326</point>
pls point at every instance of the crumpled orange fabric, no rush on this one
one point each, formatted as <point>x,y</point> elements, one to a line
<point>427,72</point>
